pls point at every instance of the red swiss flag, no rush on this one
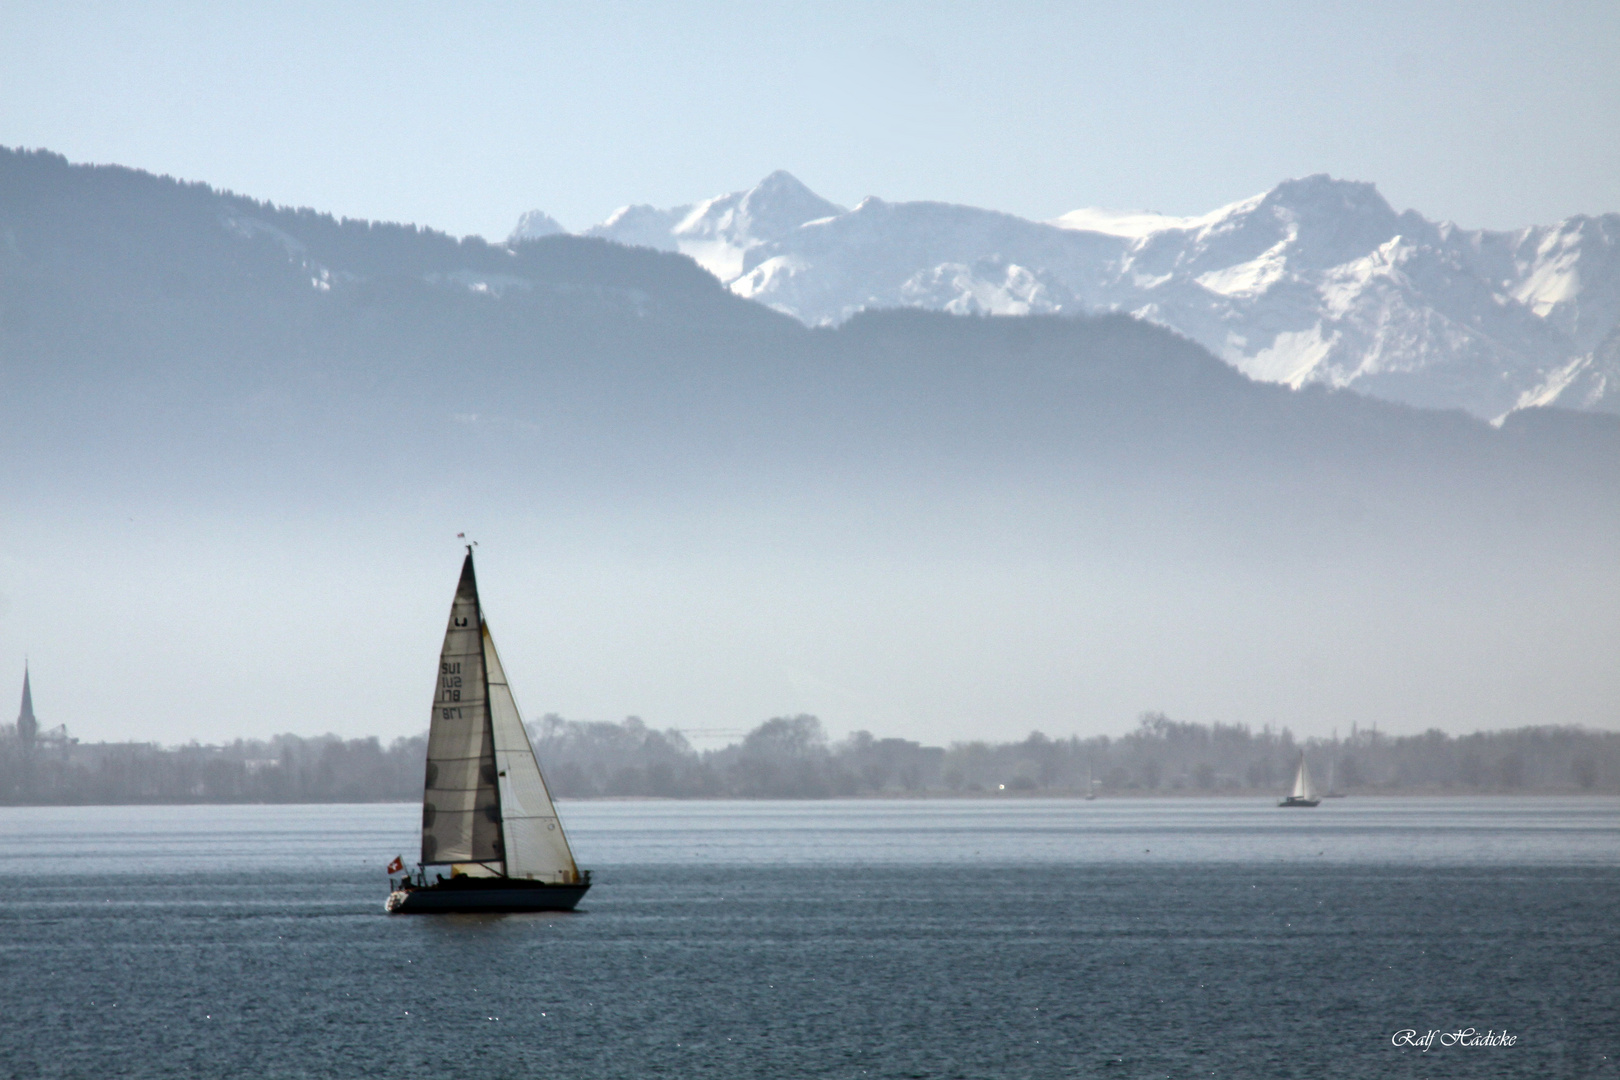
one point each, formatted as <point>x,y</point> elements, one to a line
<point>397,865</point>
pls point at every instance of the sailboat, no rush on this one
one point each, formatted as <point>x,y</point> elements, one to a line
<point>491,839</point>
<point>1091,785</point>
<point>1304,793</point>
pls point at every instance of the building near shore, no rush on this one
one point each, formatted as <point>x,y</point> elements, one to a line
<point>27,726</point>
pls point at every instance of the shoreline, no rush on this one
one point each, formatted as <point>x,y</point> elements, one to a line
<point>986,796</point>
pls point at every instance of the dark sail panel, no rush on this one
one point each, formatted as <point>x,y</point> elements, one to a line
<point>460,806</point>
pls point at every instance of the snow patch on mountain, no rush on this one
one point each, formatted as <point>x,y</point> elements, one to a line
<point>1569,274</point>
<point>1586,382</point>
<point>1247,280</point>
<point>986,287</point>
<point>1292,357</point>
<point>1557,385</point>
<point>1133,224</point>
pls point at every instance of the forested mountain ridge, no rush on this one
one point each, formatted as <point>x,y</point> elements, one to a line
<point>128,292</point>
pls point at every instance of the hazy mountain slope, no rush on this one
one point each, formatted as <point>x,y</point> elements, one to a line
<point>713,513</point>
<point>179,317</point>
<point>1316,281</point>
<point>129,298</point>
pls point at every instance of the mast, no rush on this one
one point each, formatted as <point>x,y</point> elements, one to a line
<point>489,726</point>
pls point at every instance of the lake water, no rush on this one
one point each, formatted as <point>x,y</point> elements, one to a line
<point>988,938</point>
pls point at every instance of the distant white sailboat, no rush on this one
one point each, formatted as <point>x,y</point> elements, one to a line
<point>491,839</point>
<point>1091,785</point>
<point>1304,793</point>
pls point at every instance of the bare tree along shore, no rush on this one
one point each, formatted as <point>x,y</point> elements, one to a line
<point>791,757</point>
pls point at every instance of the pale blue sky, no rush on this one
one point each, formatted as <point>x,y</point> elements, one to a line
<point>463,116</point>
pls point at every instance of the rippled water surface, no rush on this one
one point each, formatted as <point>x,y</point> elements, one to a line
<point>993,938</point>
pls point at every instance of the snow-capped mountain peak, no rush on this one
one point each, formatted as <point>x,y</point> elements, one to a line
<point>769,210</point>
<point>640,226</point>
<point>1318,280</point>
<point>534,225</point>
<point>719,233</point>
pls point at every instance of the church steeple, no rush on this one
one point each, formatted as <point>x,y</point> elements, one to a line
<point>27,726</point>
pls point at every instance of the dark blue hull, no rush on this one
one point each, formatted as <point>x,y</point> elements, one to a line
<point>449,900</point>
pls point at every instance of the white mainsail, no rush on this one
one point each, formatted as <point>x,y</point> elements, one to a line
<point>485,807</point>
<point>1303,788</point>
